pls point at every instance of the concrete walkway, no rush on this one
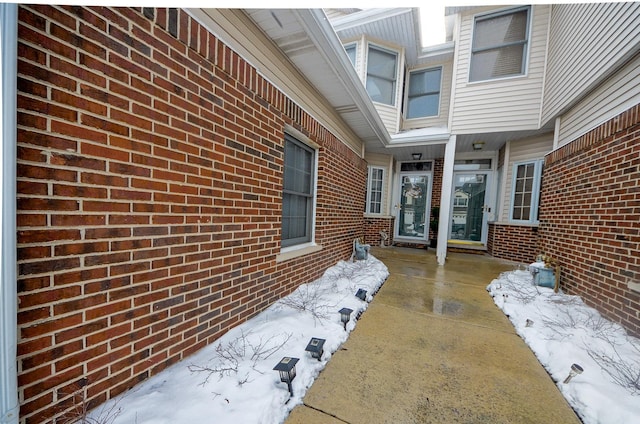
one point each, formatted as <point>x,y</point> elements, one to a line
<point>433,348</point>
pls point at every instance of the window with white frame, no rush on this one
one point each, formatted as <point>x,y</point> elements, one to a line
<point>298,192</point>
<point>381,75</point>
<point>375,188</point>
<point>351,50</point>
<point>500,44</point>
<point>526,191</point>
<point>424,93</point>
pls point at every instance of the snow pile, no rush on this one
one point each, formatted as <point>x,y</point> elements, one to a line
<point>561,330</point>
<point>232,380</point>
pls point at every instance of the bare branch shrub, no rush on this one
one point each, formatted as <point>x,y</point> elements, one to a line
<point>106,414</point>
<point>622,370</point>
<point>229,357</point>
<point>520,289</point>
<point>308,298</point>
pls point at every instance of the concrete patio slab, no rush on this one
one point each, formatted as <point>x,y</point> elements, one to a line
<point>433,348</point>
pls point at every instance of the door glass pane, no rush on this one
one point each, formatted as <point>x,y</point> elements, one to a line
<point>413,202</point>
<point>468,206</point>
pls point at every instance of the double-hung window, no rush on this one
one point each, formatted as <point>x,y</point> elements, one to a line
<point>500,44</point>
<point>351,50</point>
<point>375,186</point>
<point>424,93</point>
<point>381,75</point>
<point>298,193</point>
<point>526,191</point>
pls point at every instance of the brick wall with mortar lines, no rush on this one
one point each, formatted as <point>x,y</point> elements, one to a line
<point>373,227</point>
<point>149,198</point>
<point>518,243</point>
<point>590,215</point>
<point>436,190</point>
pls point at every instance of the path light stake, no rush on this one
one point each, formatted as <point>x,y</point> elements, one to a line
<point>345,316</point>
<point>315,346</point>
<point>575,370</point>
<point>529,323</point>
<point>361,294</point>
<point>287,369</point>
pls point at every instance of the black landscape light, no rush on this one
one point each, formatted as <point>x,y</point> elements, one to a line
<point>315,346</point>
<point>345,316</point>
<point>287,369</point>
<point>361,294</point>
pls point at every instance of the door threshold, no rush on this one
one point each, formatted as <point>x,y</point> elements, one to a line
<point>466,245</point>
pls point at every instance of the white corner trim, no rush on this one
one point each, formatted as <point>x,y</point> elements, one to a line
<point>9,406</point>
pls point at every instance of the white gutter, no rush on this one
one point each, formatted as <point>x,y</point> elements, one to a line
<point>326,40</point>
<point>9,406</point>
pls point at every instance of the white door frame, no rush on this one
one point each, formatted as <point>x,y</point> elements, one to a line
<point>397,206</point>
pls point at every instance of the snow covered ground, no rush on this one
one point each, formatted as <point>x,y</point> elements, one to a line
<point>233,381</point>
<point>561,330</point>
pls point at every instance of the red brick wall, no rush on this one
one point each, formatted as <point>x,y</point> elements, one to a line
<point>590,216</point>
<point>513,242</point>
<point>372,228</point>
<point>149,198</point>
<point>436,189</point>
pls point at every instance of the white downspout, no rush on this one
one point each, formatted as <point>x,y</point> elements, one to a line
<point>9,407</point>
<point>444,221</point>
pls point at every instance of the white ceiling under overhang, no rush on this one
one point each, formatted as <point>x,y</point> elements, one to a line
<point>306,37</point>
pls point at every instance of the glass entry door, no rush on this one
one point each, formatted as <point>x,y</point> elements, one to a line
<point>469,218</point>
<point>413,211</point>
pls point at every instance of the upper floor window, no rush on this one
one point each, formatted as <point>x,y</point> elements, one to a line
<point>375,185</point>
<point>499,46</point>
<point>351,52</point>
<point>298,193</point>
<point>424,93</point>
<point>381,75</point>
<point>526,191</point>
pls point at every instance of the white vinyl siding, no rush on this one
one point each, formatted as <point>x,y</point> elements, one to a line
<point>507,104</point>
<point>619,93</point>
<point>602,30</point>
<point>521,151</point>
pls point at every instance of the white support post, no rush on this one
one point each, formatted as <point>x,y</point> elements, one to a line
<point>9,407</point>
<point>444,221</point>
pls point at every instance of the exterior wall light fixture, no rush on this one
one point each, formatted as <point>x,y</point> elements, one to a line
<point>478,145</point>
<point>416,156</point>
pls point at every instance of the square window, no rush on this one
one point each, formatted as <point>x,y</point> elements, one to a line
<point>500,43</point>
<point>424,93</point>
